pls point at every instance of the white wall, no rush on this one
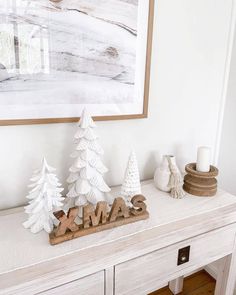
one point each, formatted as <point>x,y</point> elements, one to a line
<point>227,159</point>
<point>189,53</point>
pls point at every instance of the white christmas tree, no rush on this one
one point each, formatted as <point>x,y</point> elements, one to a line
<point>86,183</point>
<point>45,197</point>
<point>131,184</point>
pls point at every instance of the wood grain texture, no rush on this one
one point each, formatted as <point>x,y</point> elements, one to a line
<point>171,222</point>
<point>109,281</point>
<point>66,222</point>
<point>200,192</point>
<point>176,286</point>
<point>202,184</point>
<point>139,206</point>
<point>93,218</point>
<point>191,169</point>
<point>146,82</point>
<point>207,289</point>
<point>226,277</point>
<point>90,285</point>
<point>198,283</point>
<point>118,209</point>
<point>97,219</point>
<point>55,239</point>
<point>162,264</point>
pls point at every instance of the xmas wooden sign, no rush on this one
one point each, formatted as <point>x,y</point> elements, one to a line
<point>98,219</point>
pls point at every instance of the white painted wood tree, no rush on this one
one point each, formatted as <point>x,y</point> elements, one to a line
<point>45,197</point>
<point>86,183</point>
<point>131,184</point>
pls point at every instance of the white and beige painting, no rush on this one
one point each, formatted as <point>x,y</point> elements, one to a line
<point>70,53</point>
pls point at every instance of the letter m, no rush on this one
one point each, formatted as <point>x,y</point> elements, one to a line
<point>94,217</point>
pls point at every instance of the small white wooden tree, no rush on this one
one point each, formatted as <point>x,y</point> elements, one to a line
<point>131,184</point>
<point>86,183</point>
<point>45,197</point>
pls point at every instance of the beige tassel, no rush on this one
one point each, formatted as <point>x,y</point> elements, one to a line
<point>176,181</point>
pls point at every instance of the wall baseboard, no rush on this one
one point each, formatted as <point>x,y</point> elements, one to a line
<point>212,270</point>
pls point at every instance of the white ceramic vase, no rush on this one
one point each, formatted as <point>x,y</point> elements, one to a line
<point>163,173</point>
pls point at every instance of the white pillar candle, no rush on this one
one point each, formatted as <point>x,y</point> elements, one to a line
<point>203,159</point>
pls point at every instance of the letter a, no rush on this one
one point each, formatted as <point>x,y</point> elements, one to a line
<point>118,209</point>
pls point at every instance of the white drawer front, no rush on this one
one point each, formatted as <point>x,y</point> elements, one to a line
<point>147,273</point>
<point>90,285</point>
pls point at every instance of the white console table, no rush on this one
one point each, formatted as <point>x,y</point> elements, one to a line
<point>133,259</point>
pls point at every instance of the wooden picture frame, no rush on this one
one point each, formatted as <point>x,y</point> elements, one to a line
<point>144,113</point>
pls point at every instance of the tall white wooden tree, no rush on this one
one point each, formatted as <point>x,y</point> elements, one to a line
<point>86,183</point>
<point>131,184</point>
<point>45,197</point>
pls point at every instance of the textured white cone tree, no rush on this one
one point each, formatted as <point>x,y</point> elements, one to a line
<point>45,197</point>
<point>86,183</point>
<point>131,184</point>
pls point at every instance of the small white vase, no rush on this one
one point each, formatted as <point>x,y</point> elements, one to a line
<point>163,173</point>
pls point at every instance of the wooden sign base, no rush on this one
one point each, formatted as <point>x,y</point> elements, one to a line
<point>97,219</point>
<point>69,235</point>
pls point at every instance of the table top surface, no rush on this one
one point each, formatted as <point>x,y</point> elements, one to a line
<point>20,248</point>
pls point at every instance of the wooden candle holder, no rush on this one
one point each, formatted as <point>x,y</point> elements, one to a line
<point>203,184</point>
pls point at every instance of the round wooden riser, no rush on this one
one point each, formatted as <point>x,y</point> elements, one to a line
<point>198,192</point>
<point>203,184</point>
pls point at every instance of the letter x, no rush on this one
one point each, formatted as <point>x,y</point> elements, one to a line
<point>66,222</point>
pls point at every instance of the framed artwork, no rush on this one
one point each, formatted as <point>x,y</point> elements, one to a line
<point>59,56</point>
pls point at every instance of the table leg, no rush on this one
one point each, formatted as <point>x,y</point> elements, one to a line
<point>109,281</point>
<point>226,276</point>
<point>176,286</point>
